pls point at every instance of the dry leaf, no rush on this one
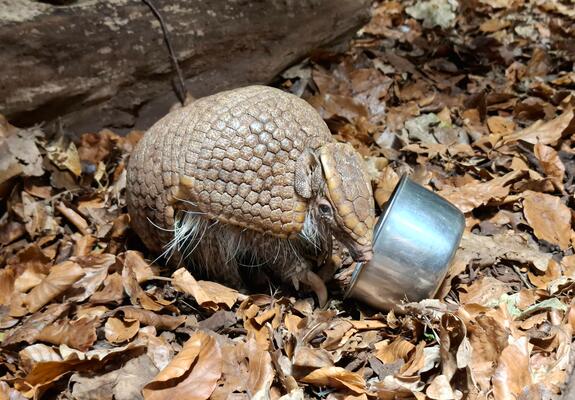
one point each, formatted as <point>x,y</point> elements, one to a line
<point>440,389</point>
<point>549,218</point>
<point>500,125</point>
<point>37,353</point>
<point>470,196</point>
<point>202,354</point>
<point>336,377</point>
<point>113,290</point>
<point>146,317</point>
<point>550,161</point>
<point>207,294</point>
<point>118,331</point>
<point>79,334</point>
<point>32,326</point>
<point>60,279</point>
<point>261,371</point>
<point>543,132</point>
<point>137,295</point>
<point>485,291</point>
<point>139,265</point>
<point>391,352</point>
<point>513,374</point>
<point>65,155</point>
<point>123,383</point>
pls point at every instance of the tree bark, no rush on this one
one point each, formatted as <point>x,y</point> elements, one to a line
<point>104,63</point>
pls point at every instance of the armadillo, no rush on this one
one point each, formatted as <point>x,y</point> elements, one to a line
<point>249,177</point>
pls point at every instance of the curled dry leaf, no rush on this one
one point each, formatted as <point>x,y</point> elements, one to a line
<point>117,330</point>
<point>79,334</point>
<point>336,377</point>
<point>146,317</point>
<point>485,291</point>
<point>513,374</point>
<point>139,265</point>
<point>508,245</point>
<point>123,383</point>
<point>95,268</point>
<point>7,393</point>
<point>60,279</point>
<point>44,374</point>
<point>7,282</point>
<point>549,218</point>
<point>440,389</point>
<point>207,294</point>
<point>261,371</point>
<point>391,352</point>
<point>64,155</point>
<point>310,357</point>
<point>137,295</point>
<point>37,353</point>
<point>29,330</point>
<point>550,161</point>
<point>543,132</point>
<point>112,292</point>
<point>202,354</point>
<point>472,195</point>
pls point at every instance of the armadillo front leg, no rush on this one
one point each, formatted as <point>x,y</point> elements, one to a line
<point>305,275</point>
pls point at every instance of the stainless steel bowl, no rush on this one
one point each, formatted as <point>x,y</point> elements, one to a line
<point>415,240</point>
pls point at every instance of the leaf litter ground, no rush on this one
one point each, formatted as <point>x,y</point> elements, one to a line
<point>473,99</point>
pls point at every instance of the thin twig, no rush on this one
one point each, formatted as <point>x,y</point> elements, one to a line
<point>181,89</point>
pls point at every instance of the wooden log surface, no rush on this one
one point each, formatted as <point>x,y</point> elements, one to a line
<point>104,63</point>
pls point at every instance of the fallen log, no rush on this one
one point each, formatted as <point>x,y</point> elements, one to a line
<point>103,63</point>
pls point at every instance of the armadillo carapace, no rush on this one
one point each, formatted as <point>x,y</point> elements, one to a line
<point>252,177</point>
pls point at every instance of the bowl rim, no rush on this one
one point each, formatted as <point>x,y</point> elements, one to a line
<point>378,228</point>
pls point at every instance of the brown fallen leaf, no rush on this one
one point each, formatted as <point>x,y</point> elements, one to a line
<point>440,389</point>
<point>60,279</point>
<point>118,331</point>
<point>508,245</point>
<point>124,383</point>
<point>95,268</point>
<point>391,352</point>
<point>45,374</point>
<point>112,292</point>
<point>7,393</point>
<point>207,294</point>
<point>29,279</point>
<point>146,317</point>
<point>550,161</point>
<point>19,153</point>
<point>542,132</point>
<point>513,374</point>
<point>136,262</point>
<point>32,326</point>
<point>311,357</point>
<point>549,218</point>
<point>336,377</point>
<point>261,371</point>
<point>7,280</point>
<point>137,295</point>
<point>79,334</point>
<point>37,353</point>
<point>75,219</point>
<point>202,354</point>
<point>485,291</point>
<point>500,125</point>
<point>470,196</point>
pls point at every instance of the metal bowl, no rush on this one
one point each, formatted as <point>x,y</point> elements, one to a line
<point>415,240</point>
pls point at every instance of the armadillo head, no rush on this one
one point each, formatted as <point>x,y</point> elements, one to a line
<point>348,199</point>
<point>340,196</point>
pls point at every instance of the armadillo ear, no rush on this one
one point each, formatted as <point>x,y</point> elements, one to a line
<point>304,173</point>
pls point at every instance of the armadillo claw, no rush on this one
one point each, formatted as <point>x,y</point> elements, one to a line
<point>316,284</point>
